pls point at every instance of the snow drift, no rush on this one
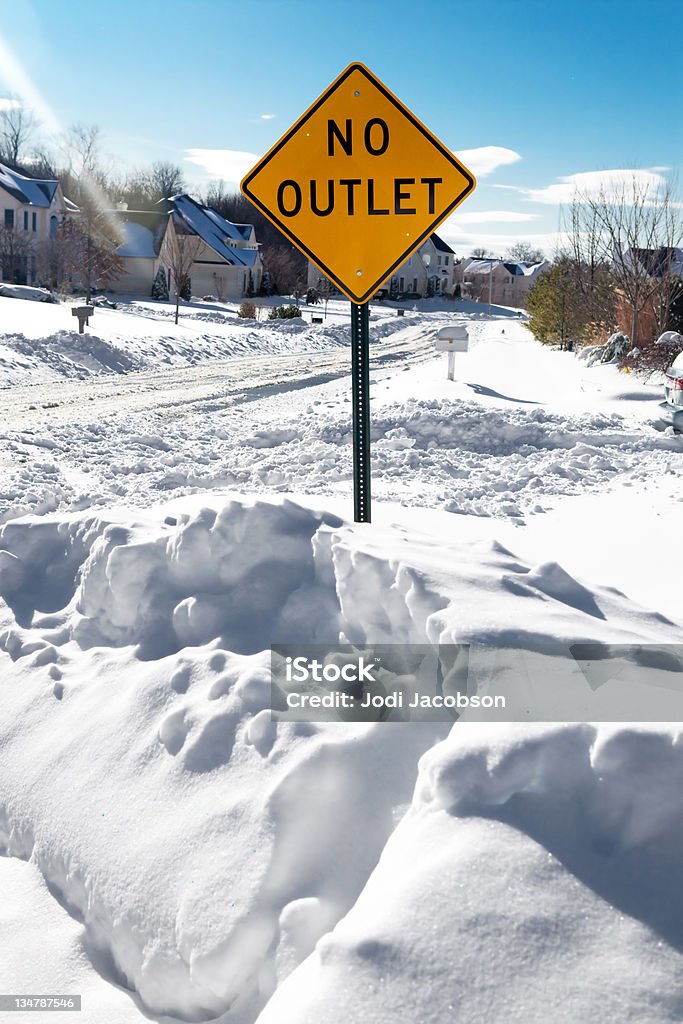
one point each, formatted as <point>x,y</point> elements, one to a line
<point>205,848</point>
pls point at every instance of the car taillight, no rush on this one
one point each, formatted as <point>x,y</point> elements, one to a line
<point>675,383</point>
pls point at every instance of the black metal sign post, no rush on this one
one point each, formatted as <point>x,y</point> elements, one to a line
<point>360,387</point>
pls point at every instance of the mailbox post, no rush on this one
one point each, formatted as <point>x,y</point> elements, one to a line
<point>452,340</point>
<point>83,313</point>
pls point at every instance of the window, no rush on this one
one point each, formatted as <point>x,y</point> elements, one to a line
<point>445,261</point>
<point>401,284</point>
<point>414,284</point>
<point>25,220</point>
<point>34,221</point>
<point>9,220</point>
<point>439,260</point>
<point>53,226</point>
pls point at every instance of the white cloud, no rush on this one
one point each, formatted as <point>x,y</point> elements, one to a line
<point>464,242</point>
<point>229,164</point>
<point>6,103</point>
<point>485,159</point>
<point>492,217</point>
<point>267,117</point>
<point>596,183</point>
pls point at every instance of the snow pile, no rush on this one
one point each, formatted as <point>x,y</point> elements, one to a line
<point>205,848</point>
<point>553,857</point>
<point>19,291</point>
<point>37,342</point>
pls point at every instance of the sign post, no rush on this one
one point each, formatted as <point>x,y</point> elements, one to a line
<point>360,387</point>
<point>357,184</point>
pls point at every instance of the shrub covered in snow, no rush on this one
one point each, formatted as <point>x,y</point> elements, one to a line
<point>284,313</point>
<point>614,350</point>
<point>247,310</point>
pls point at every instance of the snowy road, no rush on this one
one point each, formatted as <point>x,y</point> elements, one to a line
<point>201,388</point>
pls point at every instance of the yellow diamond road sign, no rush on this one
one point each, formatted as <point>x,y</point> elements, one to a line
<point>358,183</point>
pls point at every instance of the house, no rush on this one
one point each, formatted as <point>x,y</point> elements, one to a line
<point>656,275</point>
<point>227,262</point>
<point>31,210</point>
<point>497,281</point>
<point>429,271</point>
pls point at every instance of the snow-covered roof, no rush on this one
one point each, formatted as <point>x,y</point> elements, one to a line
<point>481,266</point>
<point>31,191</point>
<point>216,231</point>
<point>512,267</point>
<point>531,269</point>
<point>138,240</point>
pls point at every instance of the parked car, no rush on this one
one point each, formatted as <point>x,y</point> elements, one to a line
<point>671,409</point>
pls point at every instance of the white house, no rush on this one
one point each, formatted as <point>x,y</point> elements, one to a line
<point>31,210</point>
<point>501,282</point>
<point>227,263</point>
<point>429,271</point>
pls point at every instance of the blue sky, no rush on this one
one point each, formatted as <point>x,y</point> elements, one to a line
<point>528,92</point>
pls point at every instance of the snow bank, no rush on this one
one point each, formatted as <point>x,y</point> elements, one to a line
<point>553,857</point>
<point>205,848</point>
<point>37,342</point>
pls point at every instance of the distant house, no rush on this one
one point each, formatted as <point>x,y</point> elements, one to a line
<point>429,271</point>
<point>31,210</point>
<point>501,282</point>
<point>228,264</point>
<point>652,266</point>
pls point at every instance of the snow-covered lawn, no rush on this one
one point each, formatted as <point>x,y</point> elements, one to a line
<point>194,859</point>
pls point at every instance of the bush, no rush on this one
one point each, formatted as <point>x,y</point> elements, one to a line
<point>312,297</point>
<point>247,310</point>
<point>284,313</point>
<point>160,286</point>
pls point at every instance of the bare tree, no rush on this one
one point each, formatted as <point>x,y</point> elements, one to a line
<point>87,245</point>
<point>525,252</point>
<point>180,251</point>
<point>632,229</point>
<point>16,250</point>
<point>17,126</point>
<point>165,180</point>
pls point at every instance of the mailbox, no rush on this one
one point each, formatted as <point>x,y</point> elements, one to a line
<point>452,340</point>
<point>83,313</point>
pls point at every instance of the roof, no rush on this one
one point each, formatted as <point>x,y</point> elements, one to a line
<point>487,265</point>
<point>142,232</point>
<point>441,245</point>
<point>216,231</point>
<point>30,191</point>
<point>481,266</point>
<point>658,262</point>
<point>139,240</point>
